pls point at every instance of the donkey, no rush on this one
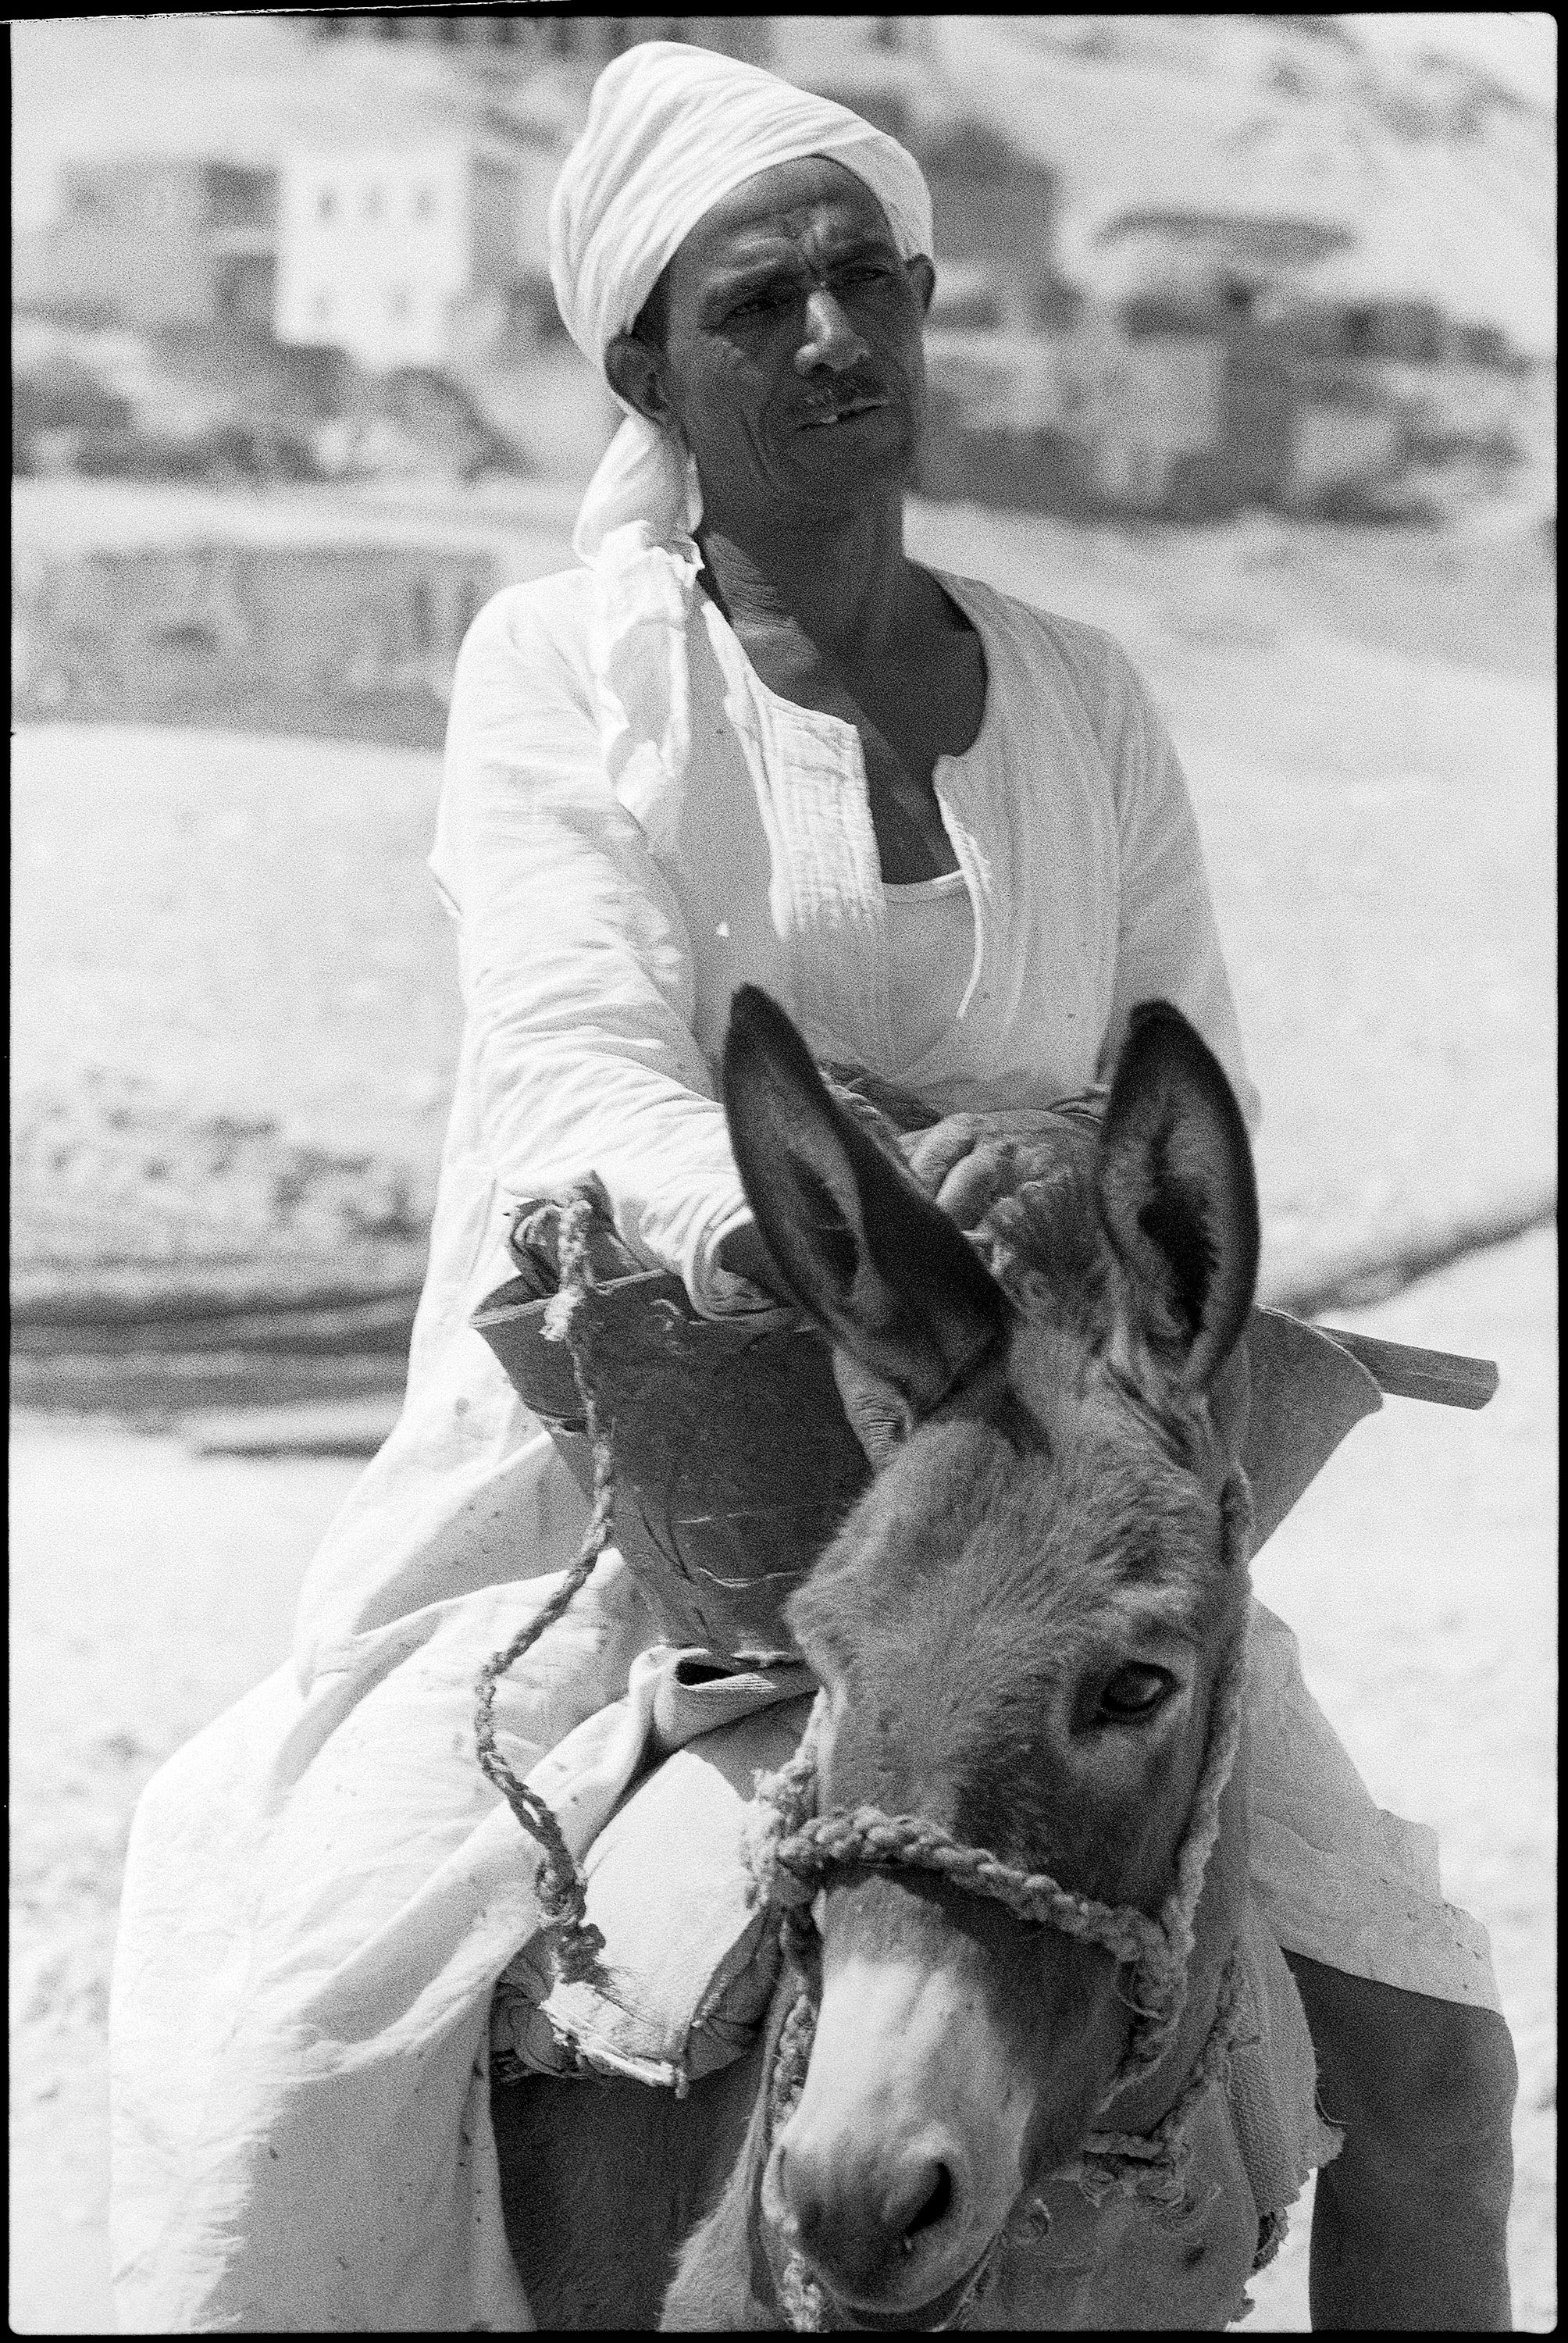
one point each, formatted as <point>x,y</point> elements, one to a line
<point>1026,1634</point>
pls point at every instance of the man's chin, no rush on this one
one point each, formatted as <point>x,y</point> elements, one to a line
<point>804,489</point>
<point>844,465</point>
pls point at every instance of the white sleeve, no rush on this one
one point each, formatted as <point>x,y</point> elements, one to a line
<point>574,959</point>
<point>1168,945</point>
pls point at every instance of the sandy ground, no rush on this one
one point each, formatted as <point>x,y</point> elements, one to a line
<point>151,1587</point>
<point>1421,1576</point>
<point>147,1592</point>
<point>1379,819</point>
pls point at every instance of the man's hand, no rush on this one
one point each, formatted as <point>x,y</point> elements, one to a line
<point>968,1160</point>
<point>743,1253</point>
<point>1410,2220</point>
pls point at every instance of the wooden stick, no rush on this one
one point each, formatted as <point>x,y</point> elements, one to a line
<point>1408,1372</point>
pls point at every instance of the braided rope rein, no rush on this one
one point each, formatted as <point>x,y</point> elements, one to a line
<point>562,1894</point>
<point>794,1850</point>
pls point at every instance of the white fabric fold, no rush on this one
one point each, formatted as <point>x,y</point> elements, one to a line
<point>637,650</point>
<point>671,130</point>
<point>644,476</point>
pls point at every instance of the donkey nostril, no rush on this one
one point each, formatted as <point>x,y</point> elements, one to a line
<point>936,2205</point>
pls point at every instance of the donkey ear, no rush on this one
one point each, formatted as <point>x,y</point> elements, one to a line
<point>879,1267</point>
<point>1177,1196</point>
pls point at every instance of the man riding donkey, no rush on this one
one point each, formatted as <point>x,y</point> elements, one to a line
<point>747,740</point>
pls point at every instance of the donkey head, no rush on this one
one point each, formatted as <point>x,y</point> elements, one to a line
<point>1019,1628</point>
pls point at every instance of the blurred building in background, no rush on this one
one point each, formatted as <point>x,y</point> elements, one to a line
<point>1182,263</point>
<point>153,240</point>
<point>1183,266</point>
<point>520,38</point>
<point>398,256</point>
<point>1194,401</point>
<point>996,208</point>
<point>158,280</point>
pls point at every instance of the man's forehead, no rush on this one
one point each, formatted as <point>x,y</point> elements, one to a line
<point>753,221</point>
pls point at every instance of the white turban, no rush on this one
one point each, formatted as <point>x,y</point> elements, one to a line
<point>670,131</point>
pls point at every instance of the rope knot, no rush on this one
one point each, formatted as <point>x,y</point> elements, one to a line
<point>577,1951</point>
<point>791,1887</point>
<point>586,1202</point>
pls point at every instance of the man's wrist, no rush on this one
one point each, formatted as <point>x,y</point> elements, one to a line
<point>742,1253</point>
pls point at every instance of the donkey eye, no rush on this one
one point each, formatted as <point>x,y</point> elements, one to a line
<point>1135,1691</point>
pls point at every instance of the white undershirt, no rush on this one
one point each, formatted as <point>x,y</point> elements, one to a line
<point>931,955</point>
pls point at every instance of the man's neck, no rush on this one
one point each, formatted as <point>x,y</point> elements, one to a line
<point>845,584</point>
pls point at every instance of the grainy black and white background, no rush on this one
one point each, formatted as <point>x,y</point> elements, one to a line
<point>1244,347</point>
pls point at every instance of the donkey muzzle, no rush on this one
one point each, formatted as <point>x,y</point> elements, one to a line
<point>882,2223</point>
<point>901,2160</point>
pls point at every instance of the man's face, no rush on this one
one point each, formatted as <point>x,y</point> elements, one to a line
<point>793,360</point>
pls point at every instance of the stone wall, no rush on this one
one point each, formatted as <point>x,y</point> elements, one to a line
<point>343,640</point>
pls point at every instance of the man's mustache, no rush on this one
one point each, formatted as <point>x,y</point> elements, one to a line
<point>842,398</point>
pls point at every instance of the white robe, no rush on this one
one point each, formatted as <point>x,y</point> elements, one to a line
<point>322,1888</point>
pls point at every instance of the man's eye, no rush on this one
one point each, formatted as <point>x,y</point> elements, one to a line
<point>756,305</point>
<point>1135,1691</point>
